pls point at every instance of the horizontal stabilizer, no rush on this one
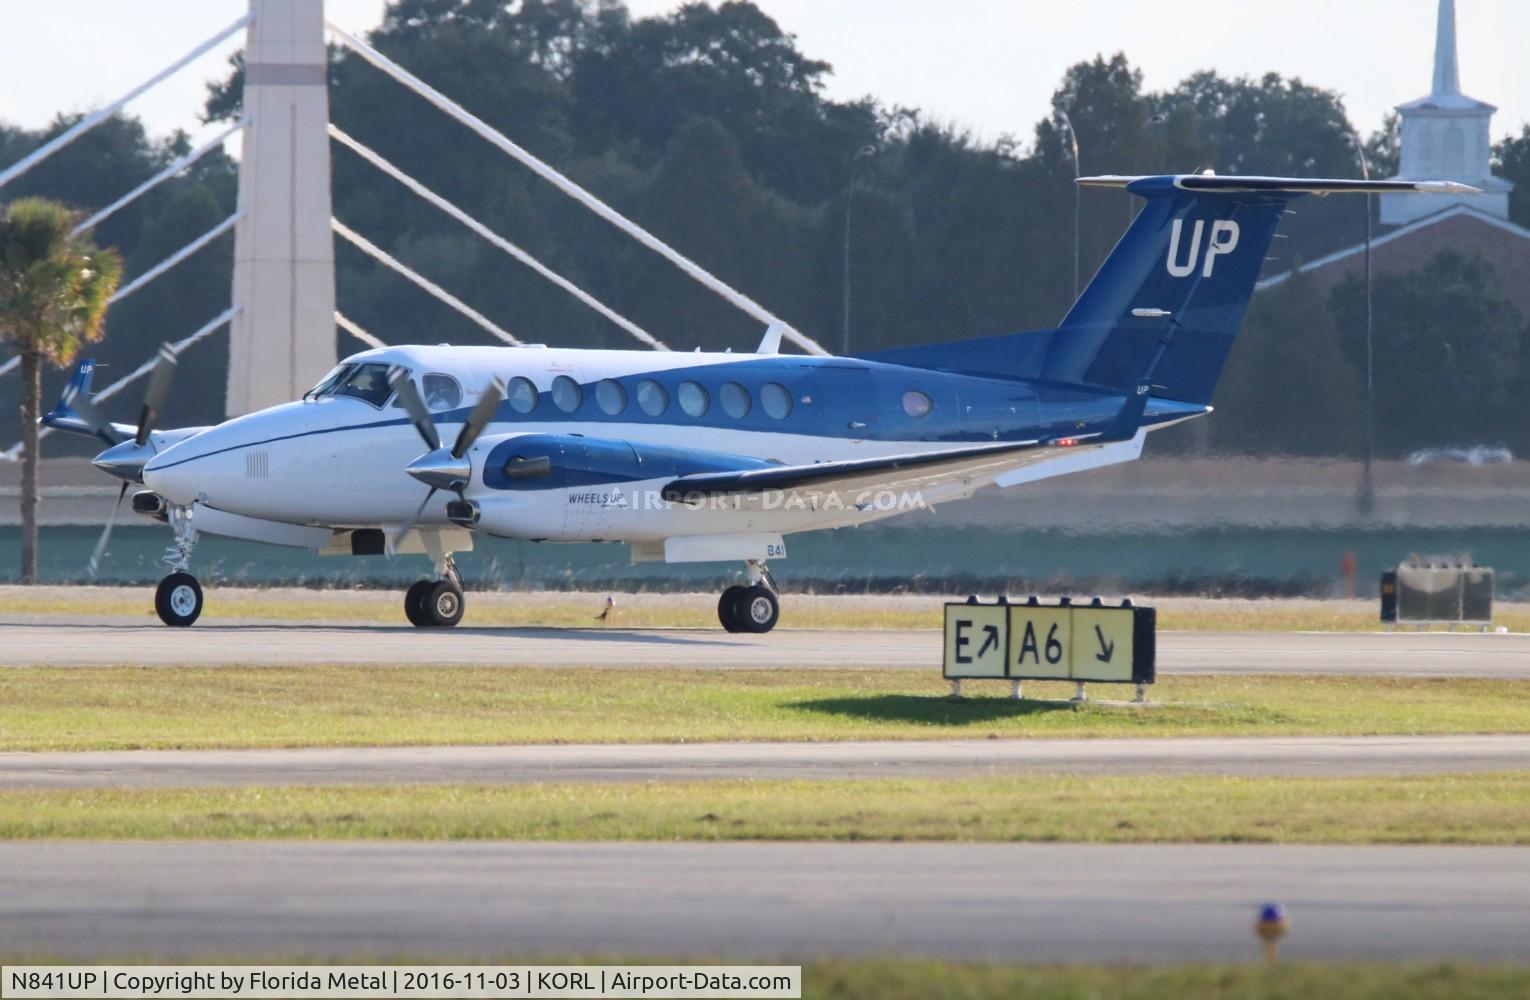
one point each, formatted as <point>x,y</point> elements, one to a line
<point>76,413</point>
<point>1294,185</point>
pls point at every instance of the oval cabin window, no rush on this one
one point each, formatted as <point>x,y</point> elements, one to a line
<point>611,397</point>
<point>917,404</point>
<point>693,399</point>
<point>776,400</point>
<point>521,394</point>
<point>735,400</point>
<point>652,398</point>
<point>566,394</point>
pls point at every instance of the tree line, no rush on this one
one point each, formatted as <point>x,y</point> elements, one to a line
<point>710,126</point>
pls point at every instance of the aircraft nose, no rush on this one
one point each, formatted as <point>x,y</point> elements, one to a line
<point>125,461</point>
<point>176,478</point>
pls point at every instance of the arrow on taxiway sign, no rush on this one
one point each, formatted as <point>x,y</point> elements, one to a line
<point>1107,649</point>
<point>991,640</point>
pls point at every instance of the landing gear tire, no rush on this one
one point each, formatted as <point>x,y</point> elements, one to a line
<point>728,607</point>
<point>443,604</point>
<point>414,603</point>
<point>178,600</point>
<point>755,609</point>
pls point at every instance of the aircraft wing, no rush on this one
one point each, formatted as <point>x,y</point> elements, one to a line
<point>854,482</point>
<point>853,479</point>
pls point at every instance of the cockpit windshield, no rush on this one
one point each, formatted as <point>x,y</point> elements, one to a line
<point>367,382</point>
<point>327,383</point>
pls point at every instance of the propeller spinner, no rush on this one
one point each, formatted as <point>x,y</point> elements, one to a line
<point>125,459</point>
<point>442,468</point>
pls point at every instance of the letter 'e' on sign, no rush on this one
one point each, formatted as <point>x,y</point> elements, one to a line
<point>975,643</point>
<point>1040,639</point>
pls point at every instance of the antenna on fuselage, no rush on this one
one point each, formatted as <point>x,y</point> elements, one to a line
<point>771,342</point>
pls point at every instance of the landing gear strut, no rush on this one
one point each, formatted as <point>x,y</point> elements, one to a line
<point>436,603</point>
<point>751,608</point>
<point>178,599</point>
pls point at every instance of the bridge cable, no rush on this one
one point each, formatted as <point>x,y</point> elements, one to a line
<point>170,171</point>
<point>372,157</point>
<point>377,253</point>
<point>570,188</point>
<point>100,115</point>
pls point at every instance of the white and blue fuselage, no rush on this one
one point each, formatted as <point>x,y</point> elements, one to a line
<point>592,438</point>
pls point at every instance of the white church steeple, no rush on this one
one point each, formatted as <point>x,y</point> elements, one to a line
<point>1446,136</point>
<point>1447,75</point>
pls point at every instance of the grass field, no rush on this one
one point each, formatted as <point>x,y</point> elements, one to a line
<point>922,979</point>
<point>912,979</point>
<point>664,610</point>
<point>1473,809</point>
<point>147,707</point>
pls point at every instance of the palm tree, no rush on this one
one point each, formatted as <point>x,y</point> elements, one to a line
<point>54,289</point>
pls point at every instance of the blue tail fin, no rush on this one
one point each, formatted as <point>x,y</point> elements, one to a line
<point>75,412</point>
<point>1180,279</point>
<point>1165,306</point>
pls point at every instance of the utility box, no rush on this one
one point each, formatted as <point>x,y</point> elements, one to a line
<point>1389,597</point>
<point>1438,590</point>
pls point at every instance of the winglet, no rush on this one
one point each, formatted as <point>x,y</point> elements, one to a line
<point>771,342</point>
<point>75,413</point>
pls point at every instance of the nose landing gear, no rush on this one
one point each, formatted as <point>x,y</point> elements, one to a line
<point>752,608</point>
<point>436,603</point>
<point>178,599</point>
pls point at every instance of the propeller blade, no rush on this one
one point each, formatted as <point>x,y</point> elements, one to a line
<point>157,395</point>
<point>477,420</point>
<point>106,534</point>
<point>402,533</point>
<point>419,413</point>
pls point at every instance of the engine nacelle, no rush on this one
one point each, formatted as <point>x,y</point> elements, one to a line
<point>536,462</point>
<point>563,486</point>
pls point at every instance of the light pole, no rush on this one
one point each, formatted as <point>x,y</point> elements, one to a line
<point>1154,120</point>
<point>1067,123</point>
<point>1366,498</point>
<point>855,161</point>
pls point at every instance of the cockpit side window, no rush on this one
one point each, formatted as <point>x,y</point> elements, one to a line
<point>441,392</point>
<point>366,382</point>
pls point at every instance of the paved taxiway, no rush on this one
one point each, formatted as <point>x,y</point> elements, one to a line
<point>70,641</point>
<point>1038,902</point>
<point>1278,756</point>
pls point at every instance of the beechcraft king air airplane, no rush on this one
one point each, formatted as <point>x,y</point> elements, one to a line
<point>709,457</point>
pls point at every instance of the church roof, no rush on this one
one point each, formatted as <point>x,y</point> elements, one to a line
<point>1401,232</point>
<point>1446,94</point>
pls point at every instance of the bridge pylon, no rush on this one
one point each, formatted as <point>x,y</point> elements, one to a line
<point>282,338</point>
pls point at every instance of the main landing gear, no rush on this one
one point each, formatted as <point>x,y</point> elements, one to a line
<point>437,603</point>
<point>751,608</point>
<point>178,599</point>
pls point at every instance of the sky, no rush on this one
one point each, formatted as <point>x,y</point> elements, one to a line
<point>989,66</point>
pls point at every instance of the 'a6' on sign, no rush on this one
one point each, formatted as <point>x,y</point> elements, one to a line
<point>1040,642</point>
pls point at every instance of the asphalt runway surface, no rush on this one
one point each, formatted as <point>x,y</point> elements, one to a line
<point>110,641</point>
<point>1033,902</point>
<point>1264,757</point>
